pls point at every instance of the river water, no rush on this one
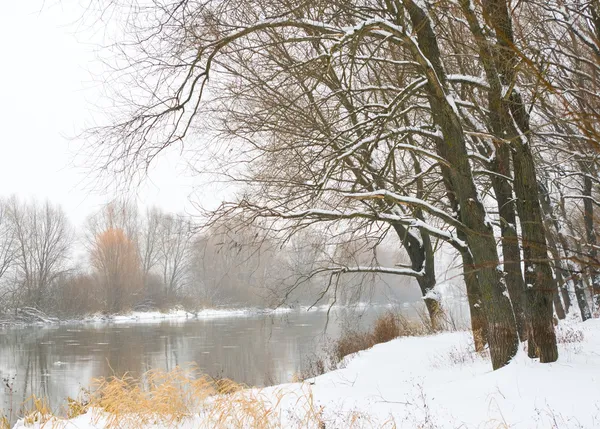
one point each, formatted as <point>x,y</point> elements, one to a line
<point>56,361</point>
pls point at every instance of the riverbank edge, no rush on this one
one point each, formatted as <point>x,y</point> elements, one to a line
<point>440,382</point>
<point>176,314</point>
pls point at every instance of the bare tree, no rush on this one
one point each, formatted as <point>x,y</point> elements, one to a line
<point>148,243</point>
<point>174,250</point>
<point>8,249</point>
<point>42,237</point>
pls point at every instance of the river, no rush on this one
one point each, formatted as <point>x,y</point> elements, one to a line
<point>56,361</point>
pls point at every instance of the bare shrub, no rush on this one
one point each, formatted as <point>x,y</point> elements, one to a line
<point>387,327</point>
<point>412,328</point>
<point>352,342</point>
<point>313,366</point>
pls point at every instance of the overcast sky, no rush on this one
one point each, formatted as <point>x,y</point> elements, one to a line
<point>48,95</point>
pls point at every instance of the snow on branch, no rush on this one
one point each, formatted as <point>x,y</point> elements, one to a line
<point>402,199</point>
<point>377,269</point>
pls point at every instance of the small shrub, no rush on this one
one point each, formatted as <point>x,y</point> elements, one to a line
<point>312,367</point>
<point>352,342</point>
<point>386,328</point>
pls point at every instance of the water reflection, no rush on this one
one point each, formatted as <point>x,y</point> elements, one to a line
<point>57,361</point>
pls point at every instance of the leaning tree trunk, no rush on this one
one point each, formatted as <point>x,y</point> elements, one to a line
<point>478,321</point>
<point>420,252</point>
<point>538,273</point>
<point>511,253</point>
<point>502,332</point>
<point>421,258</point>
<point>500,164</point>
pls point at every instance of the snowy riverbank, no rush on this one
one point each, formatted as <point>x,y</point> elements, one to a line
<point>424,382</point>
<point>31,317</point>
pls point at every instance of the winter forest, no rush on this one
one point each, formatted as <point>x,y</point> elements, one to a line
<point>374,152</point>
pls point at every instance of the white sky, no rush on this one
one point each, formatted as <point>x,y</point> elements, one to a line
<point>48,96</point>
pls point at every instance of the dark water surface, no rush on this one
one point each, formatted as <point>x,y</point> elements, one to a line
<point>57,361</point>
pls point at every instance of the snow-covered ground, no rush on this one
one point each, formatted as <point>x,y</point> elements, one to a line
<point>432,382</point>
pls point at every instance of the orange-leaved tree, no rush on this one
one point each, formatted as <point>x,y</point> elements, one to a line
<point>114,257</point>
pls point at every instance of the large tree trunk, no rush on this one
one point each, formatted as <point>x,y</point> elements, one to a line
<point>478,322</point>
<point>538,273</point>
<point>511,253</point>
<point>588,220</point>
<point>502,332</point>
<point>515,127</point>
<point>582,301</point>
<point>502,187</point>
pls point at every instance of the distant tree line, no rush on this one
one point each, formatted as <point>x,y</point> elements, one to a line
<point>148,260</point>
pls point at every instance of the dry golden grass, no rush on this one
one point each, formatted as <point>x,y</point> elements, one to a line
<point>183,396</point>
<point>170,398</point>
<point>38,412</point>
<point>159,397</point>
<point>4,422</point>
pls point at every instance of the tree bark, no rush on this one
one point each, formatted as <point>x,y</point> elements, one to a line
<point>588,220</point>
<point>421,258</point>
<point>515,124</point>
<point>478,322</point>
<point>511,253</point>
<point>582,301</point>
<point>502,332</point>
<point>503,189</point>
<point>538,273</point>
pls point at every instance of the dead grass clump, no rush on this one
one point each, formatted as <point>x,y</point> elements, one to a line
<point>4,422</point>
<point>386,328</point>
<point>168,398</point>
<point>77,406</point>
<point>38,412</point>
<point>352,342</point>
